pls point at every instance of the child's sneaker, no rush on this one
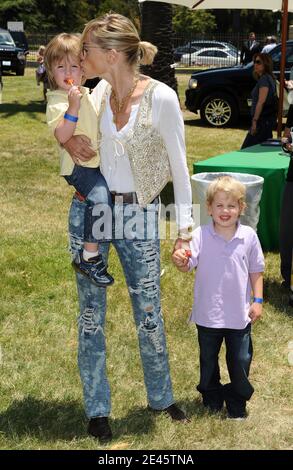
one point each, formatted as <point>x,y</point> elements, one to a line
<point>94,269</point>
<point>237,418</point>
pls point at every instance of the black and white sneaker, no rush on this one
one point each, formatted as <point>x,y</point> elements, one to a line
<point>94,269</point>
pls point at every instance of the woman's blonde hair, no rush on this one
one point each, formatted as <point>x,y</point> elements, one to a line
<point>114,31</point>
<point>62,45</point>
<point>228,185</point>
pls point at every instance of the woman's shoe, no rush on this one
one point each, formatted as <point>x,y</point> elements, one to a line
<point>100,428</point>
<point>174,412</point>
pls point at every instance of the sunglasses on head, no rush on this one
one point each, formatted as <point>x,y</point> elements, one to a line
<point>257,61</point>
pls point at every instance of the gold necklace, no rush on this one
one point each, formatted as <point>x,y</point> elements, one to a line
<point>119,104</point>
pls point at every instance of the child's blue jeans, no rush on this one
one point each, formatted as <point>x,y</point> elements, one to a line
<point>91,184</point>
<point>238,359</point>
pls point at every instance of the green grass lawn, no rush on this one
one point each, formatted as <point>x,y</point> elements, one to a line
<point>41,401</point>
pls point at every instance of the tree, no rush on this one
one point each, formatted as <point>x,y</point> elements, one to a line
<point>156,27</point>
<point>189,22</point>
<point>260,21</point>
<point>129,8</point>
<point>16,10</point>
<point>40,15</point>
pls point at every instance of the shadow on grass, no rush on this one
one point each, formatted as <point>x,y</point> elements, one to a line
<point>242,124</point>
<point>43,419</point>
<point>53,420</point>
<point>10,109</point>
<point>277,296</point>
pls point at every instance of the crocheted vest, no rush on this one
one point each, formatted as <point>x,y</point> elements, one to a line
<point>146,149</point>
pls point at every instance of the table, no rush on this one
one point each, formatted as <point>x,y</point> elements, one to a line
<point>270,163</point>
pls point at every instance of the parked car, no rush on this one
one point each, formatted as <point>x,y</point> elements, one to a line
<point>194,46</point>
<point>212,56</point>
<point>12,58</point>
<point>222,95</point>
<point>20,40</point>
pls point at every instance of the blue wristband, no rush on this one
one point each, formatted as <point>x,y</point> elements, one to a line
<point>71,118</point>
<point>257,300</point>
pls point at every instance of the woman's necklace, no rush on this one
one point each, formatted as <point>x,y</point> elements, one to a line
<point>120,104</point>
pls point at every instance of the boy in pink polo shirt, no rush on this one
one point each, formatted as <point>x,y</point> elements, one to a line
<point>230,265</point>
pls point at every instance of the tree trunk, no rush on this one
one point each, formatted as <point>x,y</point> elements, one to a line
<point>156,27</point>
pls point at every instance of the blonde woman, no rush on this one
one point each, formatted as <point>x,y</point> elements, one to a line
<point>141,147</point>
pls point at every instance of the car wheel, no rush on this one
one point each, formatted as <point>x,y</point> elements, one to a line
<point>219,110</point>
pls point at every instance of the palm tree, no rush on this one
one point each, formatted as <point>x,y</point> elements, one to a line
<point>156,27</point>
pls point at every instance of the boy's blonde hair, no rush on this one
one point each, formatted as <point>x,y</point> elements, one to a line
<point>62,45</point>
<point>114,31</point>
<point>230,186</point>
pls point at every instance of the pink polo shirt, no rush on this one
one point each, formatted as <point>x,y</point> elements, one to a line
<point>222,289</point>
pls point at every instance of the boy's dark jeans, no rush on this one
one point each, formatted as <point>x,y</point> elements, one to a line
<point>91,184</point>
<point>238,359</point>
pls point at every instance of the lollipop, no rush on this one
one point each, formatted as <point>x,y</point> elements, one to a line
<point>188,253</point>
<point>69,81</point>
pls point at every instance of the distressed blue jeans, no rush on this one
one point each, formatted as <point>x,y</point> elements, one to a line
<point>140,259</point>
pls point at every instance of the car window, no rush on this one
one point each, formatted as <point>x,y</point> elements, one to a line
<point>20,39</point>
<point>6,39</point>
<point>289,57</point>
<point>220,46</point>
<point>276,56</point>
<point>220,54</point>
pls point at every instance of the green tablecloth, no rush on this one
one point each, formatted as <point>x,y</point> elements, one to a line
<point>272,165</point>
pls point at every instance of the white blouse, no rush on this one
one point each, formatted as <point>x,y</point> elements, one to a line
<point>167,119</point>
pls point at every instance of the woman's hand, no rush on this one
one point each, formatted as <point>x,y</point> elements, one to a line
<point>79,148</point>
<point>180,259</point>
<point>253,129</point>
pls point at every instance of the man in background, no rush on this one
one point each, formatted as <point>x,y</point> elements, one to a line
<point>249,48</point>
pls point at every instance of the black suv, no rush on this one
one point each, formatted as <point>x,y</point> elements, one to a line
<point>222,95</point>
<point>11,57</point>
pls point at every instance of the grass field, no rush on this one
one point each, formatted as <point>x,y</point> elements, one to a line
<point>41,400</point>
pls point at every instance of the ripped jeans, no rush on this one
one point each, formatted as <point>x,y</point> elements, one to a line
<point>140,259</point>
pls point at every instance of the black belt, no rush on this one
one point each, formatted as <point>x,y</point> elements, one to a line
<point>124,198</point>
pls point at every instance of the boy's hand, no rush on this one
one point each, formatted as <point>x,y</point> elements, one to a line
<point>255,311</point>
<point>74,97</point>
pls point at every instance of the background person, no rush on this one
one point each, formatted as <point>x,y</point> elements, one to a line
<point>264,106</point>
<point>142,144</point>
<point>271,42</point>
<point>249,48</point>
<point>222,307</point>
<point>41,74</point>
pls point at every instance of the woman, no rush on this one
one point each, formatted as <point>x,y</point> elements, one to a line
<point>264,102</point>
<point>142,142</point>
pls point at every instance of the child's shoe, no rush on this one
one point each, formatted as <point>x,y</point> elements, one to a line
<point>236,418</point>
<point>94,269</point>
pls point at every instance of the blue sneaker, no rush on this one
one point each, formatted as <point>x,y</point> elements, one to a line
<point>94,269</point>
